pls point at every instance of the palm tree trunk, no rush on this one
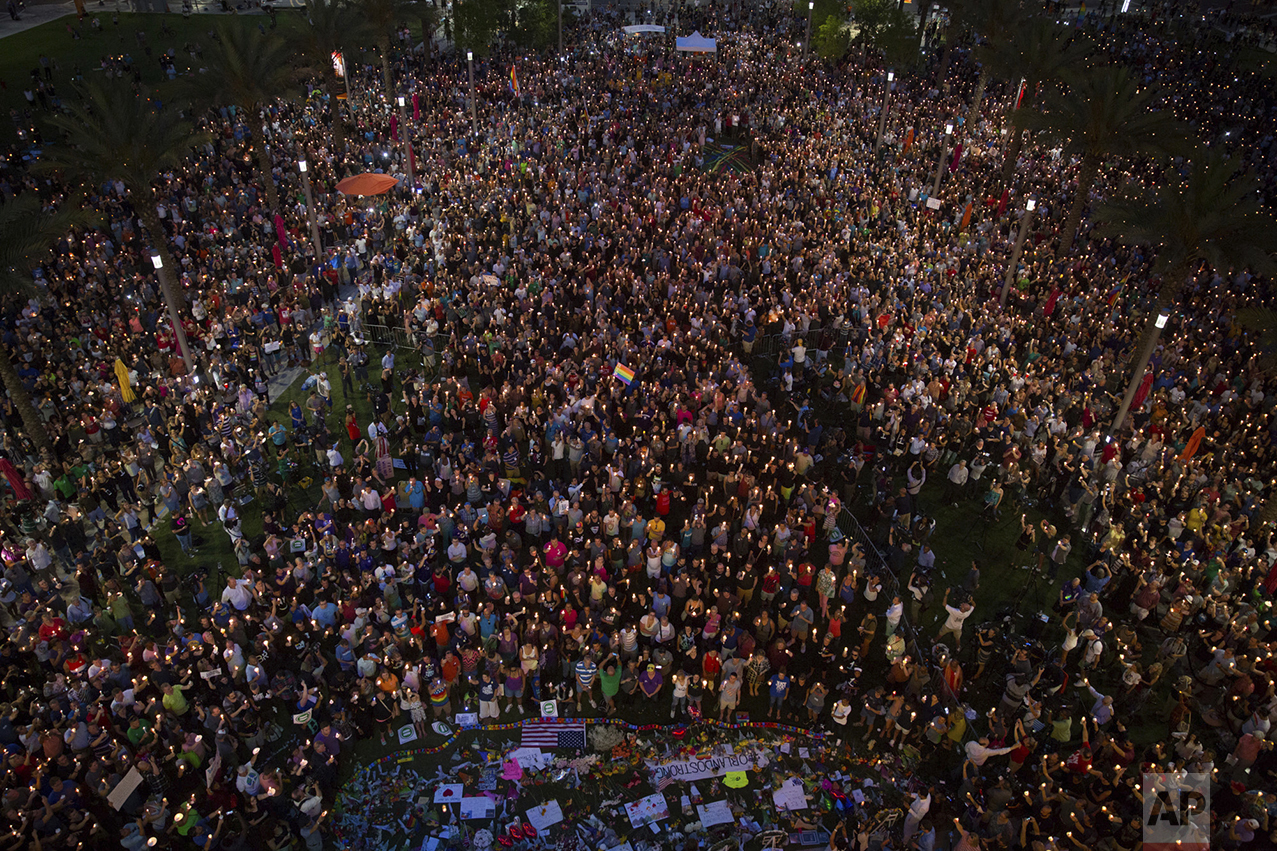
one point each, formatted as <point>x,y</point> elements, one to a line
<point>334,102</point>
<point>34,425</point>
<point>945,56</point>
<point>159,239</point>
<point>922,23</point>
<point>973,115</point>
<point>427,33</point>
<point>263,158</point>
<point>1085,179</point>
<point>387,78</point>
<point>1012,156</point>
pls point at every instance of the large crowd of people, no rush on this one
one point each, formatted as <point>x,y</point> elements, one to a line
<point>473,506</point>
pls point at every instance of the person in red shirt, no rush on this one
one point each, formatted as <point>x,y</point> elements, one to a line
<point>53,628</point>
<point>771,584</point>
<point>804,575</point>
<point>711,667</point>
<point>1080,762</point>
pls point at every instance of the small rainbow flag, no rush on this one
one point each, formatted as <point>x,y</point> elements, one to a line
<point>514,81</point>
<point>624,373</point>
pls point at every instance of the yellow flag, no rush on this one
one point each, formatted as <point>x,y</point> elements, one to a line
<point>122,374</point>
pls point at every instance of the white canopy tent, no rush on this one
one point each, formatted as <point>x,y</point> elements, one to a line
<point>696,43</point>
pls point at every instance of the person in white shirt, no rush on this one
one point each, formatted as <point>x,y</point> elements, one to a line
<point>979,752</point>
<point>237,593</point>
<point>953,624</point>
<point>841,712</point>
<point>958,475</point>
<point>917,812</point>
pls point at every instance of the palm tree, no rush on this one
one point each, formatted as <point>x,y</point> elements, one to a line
<point>28,231</point>
<point>329,24</point>
<point>248,70</point>
<point>379,18</point>
<point>1040,54</point>
<point>996,22</point>
<point>428,15</point>
<point>1202,217</point>
<point>1104,114</point>
<point>114,134</point>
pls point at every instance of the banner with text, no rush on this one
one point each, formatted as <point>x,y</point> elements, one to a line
<point>713,766</point>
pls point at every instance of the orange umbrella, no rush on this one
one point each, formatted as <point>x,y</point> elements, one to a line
<point>367,184</point>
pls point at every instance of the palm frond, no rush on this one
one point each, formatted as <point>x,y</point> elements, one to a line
<point>243,68</point>
<point>1041,52</point>
<point>28,230</point>
<point>1203,212</point>
<point>1105,112</point>
<point>110,133</point>
<point>330,26</point>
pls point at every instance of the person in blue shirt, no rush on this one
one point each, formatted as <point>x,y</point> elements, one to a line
<point>1097,577</point>
<point>585,670</point>
<point>345,655</point>
<point>326,614</point>
<point>416,492</point>
<point>205,835</point>
<point>777,689</point>
<point>488,622</point>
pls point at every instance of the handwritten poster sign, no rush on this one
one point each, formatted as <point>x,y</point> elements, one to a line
<point>648,810</point>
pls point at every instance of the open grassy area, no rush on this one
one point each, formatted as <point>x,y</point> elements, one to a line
<point>143,38</point>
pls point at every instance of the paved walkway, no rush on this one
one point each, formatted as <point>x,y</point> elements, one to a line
<point>39,12</point>
<point>36,14</point>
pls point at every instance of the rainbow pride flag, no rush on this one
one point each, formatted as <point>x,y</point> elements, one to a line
<point>514,81</point>
<point>624,373</point>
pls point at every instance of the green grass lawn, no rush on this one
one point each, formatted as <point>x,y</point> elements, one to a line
<point>21,52</point>
<point>142,37</point>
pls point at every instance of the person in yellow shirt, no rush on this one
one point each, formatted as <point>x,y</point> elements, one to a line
<point>656,529</point>
<point>1195,520</point>
<point>174,701</point>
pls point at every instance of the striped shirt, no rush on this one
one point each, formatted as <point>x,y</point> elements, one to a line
<point>585,671</point>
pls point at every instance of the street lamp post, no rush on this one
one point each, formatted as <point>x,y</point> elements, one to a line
<point>470,64</point>
<point>811,10</point>
<point>560,27</point>
<point>1141,364</point>
<point>1025,220</point>
<point>944,154</point>
<point>407,145</point>
<point>310,211</point>
<point>882,121</point>
<point>170,296</point>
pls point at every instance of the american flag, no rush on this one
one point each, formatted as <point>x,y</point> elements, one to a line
<point>568,733</point>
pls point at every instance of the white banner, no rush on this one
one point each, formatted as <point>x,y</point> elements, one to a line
<point>715,766</point>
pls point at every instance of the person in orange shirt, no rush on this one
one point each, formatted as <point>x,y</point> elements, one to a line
<point>439,630</point>
<point>387,681</point>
